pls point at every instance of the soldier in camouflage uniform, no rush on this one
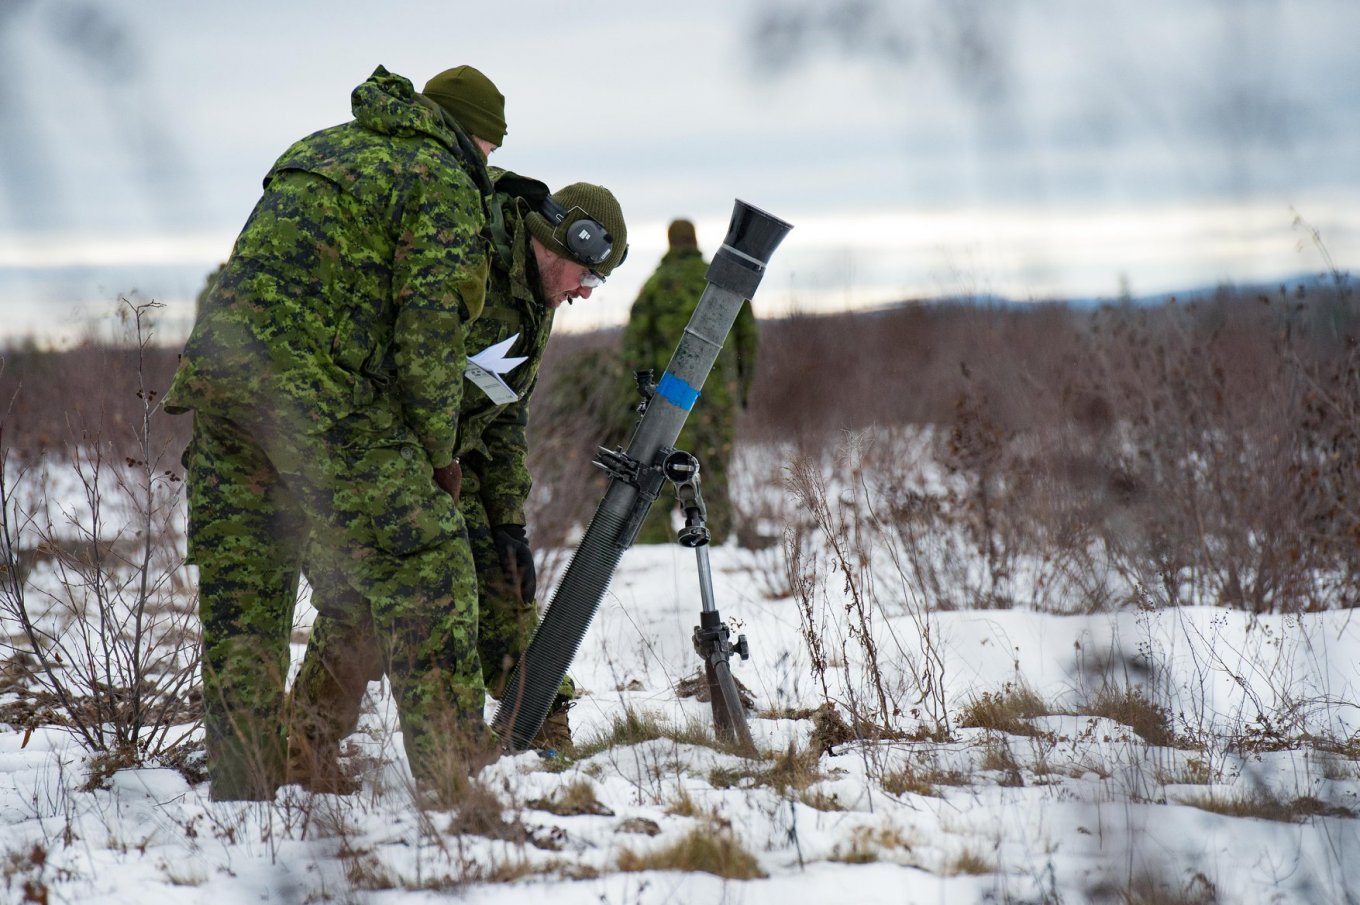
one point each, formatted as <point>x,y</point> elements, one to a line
<point>657,321</point>
<point>325,377</point>
<point>532,273</point>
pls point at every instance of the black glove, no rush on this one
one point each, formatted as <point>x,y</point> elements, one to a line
<point>517,560</point>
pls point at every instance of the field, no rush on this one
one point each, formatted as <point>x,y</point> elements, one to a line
<point>1044,604</point>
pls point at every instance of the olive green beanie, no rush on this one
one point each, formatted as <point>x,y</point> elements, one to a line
<point>472,99</point>
<point>680,234</point>
<point>596,202</point>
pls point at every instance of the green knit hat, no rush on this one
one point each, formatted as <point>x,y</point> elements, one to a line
<point>581,199</point>
<point>472,99</point>
<point>680,234</point>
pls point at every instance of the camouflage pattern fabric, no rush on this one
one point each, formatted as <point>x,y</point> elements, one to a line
<point>397,547</point>
<point>325,373</point>
<point>352,280</point>
<point>658,319</point>
<point>492,446</point>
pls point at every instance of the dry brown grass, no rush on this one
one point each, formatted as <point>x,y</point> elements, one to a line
<point>1005,711</point>
<point>365,870</point>
<point>711,850</point>
<point>1195,771</point>
<point>1151,889</point>
<point>571,800</point>
<point>868,844</point>
<point>821,800</point>
<point>684,805</point>
<point>998,757</point>
<point>922,780</point>
<point>630,728</point>
<point>795,769</point>
<point>478,811</point>
<point>968,862</point>
<point>1262,804</point>
<point>1131,707</point>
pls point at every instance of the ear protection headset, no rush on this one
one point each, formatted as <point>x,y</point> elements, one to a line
<point>584,236</point>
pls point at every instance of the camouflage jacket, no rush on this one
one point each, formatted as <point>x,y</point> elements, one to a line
<point>345,300</point>
<point>657,322</point>
<point>491,436</point>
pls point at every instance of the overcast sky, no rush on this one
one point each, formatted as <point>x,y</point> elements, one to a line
<point>1032,149</point>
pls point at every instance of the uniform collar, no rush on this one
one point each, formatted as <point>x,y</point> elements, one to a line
<point>525,284</point>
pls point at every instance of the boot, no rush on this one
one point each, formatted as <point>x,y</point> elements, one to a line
<point>316,768</point>
<point>555,733</point>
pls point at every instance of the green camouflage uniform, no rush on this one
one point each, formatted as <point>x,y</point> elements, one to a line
<point>325,374</point>
<point>341,658</point>
<point>655,326</point>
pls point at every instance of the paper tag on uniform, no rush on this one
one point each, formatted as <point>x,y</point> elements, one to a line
<point>486,367</point>
<point>496,389</point>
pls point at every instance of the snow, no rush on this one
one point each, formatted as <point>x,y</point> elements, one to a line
<point>1076,808</point>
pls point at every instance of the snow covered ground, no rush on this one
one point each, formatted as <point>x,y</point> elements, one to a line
<point>1251,797</point>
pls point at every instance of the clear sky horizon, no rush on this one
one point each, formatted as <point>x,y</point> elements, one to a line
<point>1050,149</point>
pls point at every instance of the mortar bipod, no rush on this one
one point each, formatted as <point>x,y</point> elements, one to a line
<point>712,639</point>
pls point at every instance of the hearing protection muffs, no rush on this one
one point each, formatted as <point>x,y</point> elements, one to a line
<point>589,243</point>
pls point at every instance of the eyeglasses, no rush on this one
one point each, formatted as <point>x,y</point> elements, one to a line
<point>591,280</point>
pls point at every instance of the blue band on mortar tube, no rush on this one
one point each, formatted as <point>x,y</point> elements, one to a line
<point>677,392</point>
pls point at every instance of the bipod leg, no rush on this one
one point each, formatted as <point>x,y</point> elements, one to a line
<point>712,641</point>
<point>722,719</point>
<point>728,710</point>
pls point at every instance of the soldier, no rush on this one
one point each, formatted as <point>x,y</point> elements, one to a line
<point>325,377</point>
<point>658,319</point>
<point>539,262</point>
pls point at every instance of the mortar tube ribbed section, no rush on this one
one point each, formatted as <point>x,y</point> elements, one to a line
<point>526,700</point>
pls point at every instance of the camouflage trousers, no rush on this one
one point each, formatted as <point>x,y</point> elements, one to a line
<point>397,545</point>
<point>342,656</point>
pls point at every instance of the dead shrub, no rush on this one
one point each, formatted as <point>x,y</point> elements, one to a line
<point>1148,454</point>
<point>110,630</point>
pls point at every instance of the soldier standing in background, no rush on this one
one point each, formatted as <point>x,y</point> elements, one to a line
<point>658,319</point>
<point>325,373</point>
<point>537,264</point>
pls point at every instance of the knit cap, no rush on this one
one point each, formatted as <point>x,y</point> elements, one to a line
<point>680,234</point>
<point>583,199</point>
<point>472,99</point>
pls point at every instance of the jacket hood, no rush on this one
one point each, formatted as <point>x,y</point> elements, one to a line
<point>386,103</point>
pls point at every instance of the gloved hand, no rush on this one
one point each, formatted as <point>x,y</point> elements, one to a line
<point>517,560</point>
<point>450,479</point>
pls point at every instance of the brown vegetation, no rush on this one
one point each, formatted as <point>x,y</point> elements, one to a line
<point>1212,445</point>
<point>1262,804</point>
<point>1131,707</point>
<point>712,850</point>
<point>1005,711</point>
